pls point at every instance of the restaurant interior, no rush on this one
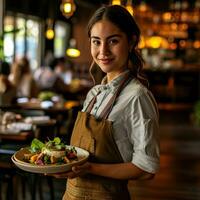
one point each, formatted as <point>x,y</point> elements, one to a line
<point>50,37</point>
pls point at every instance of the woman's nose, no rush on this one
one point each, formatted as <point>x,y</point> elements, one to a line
<point>104,49</point>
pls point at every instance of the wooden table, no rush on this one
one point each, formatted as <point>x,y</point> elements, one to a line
<point>21,136</point>
<point>17,138</point>
<point>65,116</point>
<point>10,141</point>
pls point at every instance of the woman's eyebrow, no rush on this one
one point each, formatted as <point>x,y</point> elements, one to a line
<point>111,36</point>
<point>95,37</point>
<point>115,35</point>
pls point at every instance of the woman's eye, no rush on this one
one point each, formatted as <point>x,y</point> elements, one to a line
<point>96,42</point>
<point>113,41</point>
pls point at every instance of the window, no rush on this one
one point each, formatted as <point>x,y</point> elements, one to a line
<point>21,38</point>
<point>62,34</point>
<point>32,41</point>
<point>8,38</point>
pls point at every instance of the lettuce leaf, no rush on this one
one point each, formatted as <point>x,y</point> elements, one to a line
<point>36,145</point>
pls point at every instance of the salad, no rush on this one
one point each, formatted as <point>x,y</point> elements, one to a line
<point>51,152</point>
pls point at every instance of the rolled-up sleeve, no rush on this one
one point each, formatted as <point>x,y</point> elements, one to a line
<point>144,133</point>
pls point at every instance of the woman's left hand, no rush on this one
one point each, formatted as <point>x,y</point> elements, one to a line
<point>75,172</point>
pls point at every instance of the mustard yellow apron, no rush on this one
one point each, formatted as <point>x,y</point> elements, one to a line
<point>95,136</point>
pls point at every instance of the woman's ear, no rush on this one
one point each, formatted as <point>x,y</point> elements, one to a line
<point>132,43</point>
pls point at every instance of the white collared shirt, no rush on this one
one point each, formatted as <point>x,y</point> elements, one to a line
<point>135,121</point>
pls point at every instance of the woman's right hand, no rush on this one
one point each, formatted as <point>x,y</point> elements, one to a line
<point>76,171</point>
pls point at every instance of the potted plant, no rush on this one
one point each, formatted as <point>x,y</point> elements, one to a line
<point>196,113</point>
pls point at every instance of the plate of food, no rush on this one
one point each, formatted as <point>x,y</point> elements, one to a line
<point>52,156</point>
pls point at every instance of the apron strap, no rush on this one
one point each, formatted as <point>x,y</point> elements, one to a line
<point>106,111</point>
<point>91,104</point>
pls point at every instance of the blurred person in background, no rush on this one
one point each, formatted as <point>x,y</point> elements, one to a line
<point>22,78</point>
<point>63,68</point>
<point>7,89</point>
<point>57,77</point>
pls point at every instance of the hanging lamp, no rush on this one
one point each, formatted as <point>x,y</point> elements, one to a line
<point>67,8</point>
<point>72,51</point>
<point>50,31</point>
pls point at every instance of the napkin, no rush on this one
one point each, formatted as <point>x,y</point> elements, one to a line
<point>37,119</point>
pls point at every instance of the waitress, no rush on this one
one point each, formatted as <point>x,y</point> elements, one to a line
<point>118,124</point>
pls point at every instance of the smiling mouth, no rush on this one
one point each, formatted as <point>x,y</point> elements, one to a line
<point>105,61</point>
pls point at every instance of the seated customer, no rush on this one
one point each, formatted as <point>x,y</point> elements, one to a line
<point>63,68</point>
<point>22,79</point>
<point>49,79</point>
<point>7,90</point>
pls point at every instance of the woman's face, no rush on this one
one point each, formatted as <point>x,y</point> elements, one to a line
<point>109,47</point>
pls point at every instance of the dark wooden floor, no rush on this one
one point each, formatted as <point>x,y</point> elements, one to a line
<point>179,175</point>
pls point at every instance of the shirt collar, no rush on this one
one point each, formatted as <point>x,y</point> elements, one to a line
<point>113,85</point>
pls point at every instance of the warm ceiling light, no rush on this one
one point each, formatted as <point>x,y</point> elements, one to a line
<point>167,16</point>
<point>129,7</point>
<point>67,8</point>
<point>196,44</point>
<point>155,42</point>
<point>72,51</point>
<point>143,7</point>
<point>116,2</point>
<point>50,32</point>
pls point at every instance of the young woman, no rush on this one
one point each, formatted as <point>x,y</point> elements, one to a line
<point>118,124</point>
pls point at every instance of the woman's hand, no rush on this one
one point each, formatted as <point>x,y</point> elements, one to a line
<point>75,172</point>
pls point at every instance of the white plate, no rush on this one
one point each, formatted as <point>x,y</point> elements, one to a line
<point>18,160</point>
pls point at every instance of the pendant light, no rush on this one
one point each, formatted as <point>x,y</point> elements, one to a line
<point>67,8</point>
<point>72,51</point>
<point>50,31</point>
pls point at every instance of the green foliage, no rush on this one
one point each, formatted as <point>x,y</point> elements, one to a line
<point>1,49</point>
<point>197,113</point>
<point>46,95</point>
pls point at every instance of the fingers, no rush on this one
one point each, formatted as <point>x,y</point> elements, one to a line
<point>76,171</point>
<point>81,168</point>
<point>60,175</point>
